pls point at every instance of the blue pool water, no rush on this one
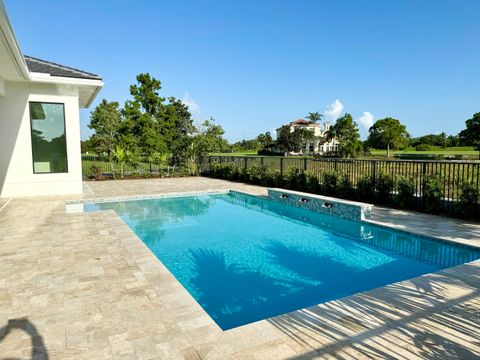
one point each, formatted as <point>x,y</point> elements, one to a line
<point>245,258</point>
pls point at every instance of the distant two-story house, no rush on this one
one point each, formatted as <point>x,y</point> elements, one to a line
<point>319,144</point>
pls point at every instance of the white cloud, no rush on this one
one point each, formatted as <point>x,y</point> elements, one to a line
<point>333,111</point>
<point>366,120</point>
<point>192,104</point>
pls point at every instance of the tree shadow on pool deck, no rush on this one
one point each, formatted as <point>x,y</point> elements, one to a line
<point>438,322</point>
<point>39,351</point>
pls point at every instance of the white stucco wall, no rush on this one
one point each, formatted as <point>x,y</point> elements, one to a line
<point>16,167</point>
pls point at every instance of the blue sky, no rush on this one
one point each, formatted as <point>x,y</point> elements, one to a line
<point>254,65</point>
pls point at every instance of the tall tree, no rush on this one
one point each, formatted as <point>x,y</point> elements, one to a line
<point>388,134</point>
<point>293,140</point>
<point>346,132</point>
<point>207,138</point>
<point>87,146</point>
<point>471,135</point>
<point>453,140</point>
<point>314,116</point>
<point>265,139</point>
<point>180,130</point>
<point>154,126</point>
<point>141,132</point>
<point>146,94</point>
<point>105,121</point>
<point>430,139</point>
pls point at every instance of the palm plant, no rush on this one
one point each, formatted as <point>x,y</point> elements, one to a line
<point>314,116</point>
<point>122,156</point>
<point>331,133</point>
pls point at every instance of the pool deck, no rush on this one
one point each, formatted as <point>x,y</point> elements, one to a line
<point>83,286</point>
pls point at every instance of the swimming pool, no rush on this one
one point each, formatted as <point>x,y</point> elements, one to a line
<point>245,258</point>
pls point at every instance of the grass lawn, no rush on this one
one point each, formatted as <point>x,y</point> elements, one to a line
<point>435,150</point>
<point>458,150</point>
<point>240,153</point>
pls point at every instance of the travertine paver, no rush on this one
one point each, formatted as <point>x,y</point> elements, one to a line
<point>83,286</point>
<point>446,228</point>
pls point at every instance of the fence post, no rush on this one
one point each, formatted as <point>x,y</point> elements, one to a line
<point>424,179</point>
<point>209,164</point>
<point>374,175</point>
<point>335,164</point>
<point>281,165</point>
<point>245,163</point>
<point>305,165</point>
<point>261,161</point>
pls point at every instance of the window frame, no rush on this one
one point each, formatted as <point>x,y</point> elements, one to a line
<point>31,137</point>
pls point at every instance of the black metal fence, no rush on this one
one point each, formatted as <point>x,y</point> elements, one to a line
<point>101,166</point>
<point>453,173</point>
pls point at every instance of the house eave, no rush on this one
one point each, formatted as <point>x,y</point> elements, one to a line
<point>92,97</point>
<point>11,44</point>
<point>49,79</point>
<point>87,88</point>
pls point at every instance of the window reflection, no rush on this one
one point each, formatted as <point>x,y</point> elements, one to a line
<point>49,146</point>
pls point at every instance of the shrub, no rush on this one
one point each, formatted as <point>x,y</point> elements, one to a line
<point>256,174</point>
<point>423,147</point>
<point>345,188</point>
<point>468,205</point>
<point>222,171</point>
<point>432,194</point>
<point>383,187</point>
<point>215,170</point>
<point>277,179</point>
<point>365,188</point>
<point>267,178</point>
<point>312,184</point>
<point>405,192</point>
<point>330,183</point>
<point>269,153</point>
<point>96,172</point>
<point>295,179</point>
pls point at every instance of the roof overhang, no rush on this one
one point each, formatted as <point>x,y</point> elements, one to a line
<point>12,63</point>
<point>88,88</point>
<point>13,66</point>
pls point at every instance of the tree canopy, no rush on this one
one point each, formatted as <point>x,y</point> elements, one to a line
<point>105,122</point>
<point>346,132</point>
<point>388,134</point>
<point>151,126</point>
<point>293,140</point>
<point>314,116</point>
<point>206,138</point>
<point>471,135</point>
<point>265,139</point>
<point>430,139</point>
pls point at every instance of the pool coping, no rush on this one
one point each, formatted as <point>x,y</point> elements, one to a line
<point>76,206</point>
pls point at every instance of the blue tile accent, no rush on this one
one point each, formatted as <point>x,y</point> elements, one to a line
<point>323,204</point>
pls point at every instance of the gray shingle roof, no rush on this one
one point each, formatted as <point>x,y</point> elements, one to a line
<point>47,67</point>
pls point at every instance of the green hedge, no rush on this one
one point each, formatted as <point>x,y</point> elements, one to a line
<point>385,189</point>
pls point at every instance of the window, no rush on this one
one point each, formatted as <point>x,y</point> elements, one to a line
<point>49,143</point>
